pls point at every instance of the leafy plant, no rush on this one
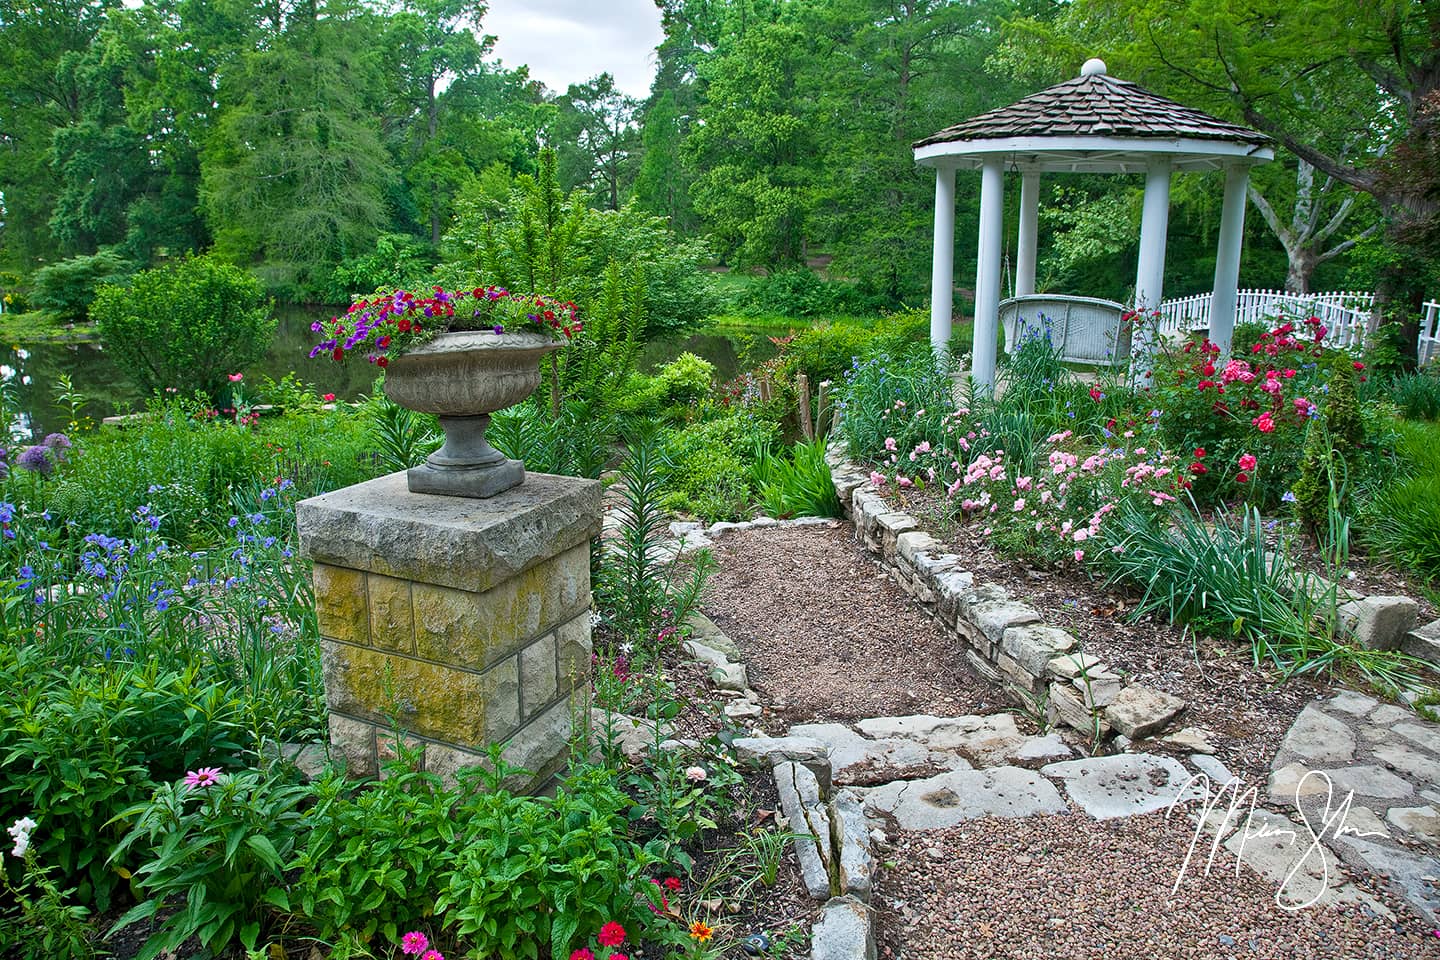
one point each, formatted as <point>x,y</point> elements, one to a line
<point>220,849</point>
<point>800,486</point>
<point>185,326</point>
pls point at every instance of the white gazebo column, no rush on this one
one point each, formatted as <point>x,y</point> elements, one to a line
<point>1029,220</point>
<point>987,271</point>
<point>1150,265</point>
<point>942,263</point>
<point>1154,223</point>
<point>1227,256</point>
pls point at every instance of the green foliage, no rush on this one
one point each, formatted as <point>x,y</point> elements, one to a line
<point>575,444</point>
<point>903,395</point>
<point>1403,521</point>
<point>399,437</point>
<point>83,743</point>
<point>69,287</point>
<point>185,326</point>
<point>825,351</point>
<point>542,239</point>
<point>801,292</point>
<point>798,487</point>
<point>707,473</point>
<point>536,877</point>
<point>219,855</point>
<point>373,860</point>
<point>42,924</point>
<point>686,380</point>
<point>636,592</point>
<point>1322,469</point>
<point>1417,395</point>
<point>398,260</point>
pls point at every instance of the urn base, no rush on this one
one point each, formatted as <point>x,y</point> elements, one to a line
<point>474,481</point>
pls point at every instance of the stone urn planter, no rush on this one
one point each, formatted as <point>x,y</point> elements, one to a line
<point>463,378</point>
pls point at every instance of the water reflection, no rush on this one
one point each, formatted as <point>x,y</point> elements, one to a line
<point>35,369</point>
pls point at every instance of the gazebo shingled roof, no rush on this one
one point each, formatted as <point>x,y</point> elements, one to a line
<point>1096,105</point>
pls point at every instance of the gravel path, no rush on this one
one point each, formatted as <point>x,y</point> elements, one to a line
<point>827,635</point>
<point>1069,886</point>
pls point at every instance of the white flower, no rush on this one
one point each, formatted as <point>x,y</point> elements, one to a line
<point>22,843</point>
<point>696,774</point>
<point>22,827</point>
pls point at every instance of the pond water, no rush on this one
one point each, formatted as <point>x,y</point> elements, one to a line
<point>34,369</point>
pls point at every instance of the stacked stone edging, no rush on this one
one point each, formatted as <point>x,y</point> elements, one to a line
<point>1005,640</point>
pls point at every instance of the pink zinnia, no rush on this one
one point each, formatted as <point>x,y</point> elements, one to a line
<point>611,935</point>
<point>582,954</point>
<point>414,943</point>
<point>432,955</point>
<point>202,778</point>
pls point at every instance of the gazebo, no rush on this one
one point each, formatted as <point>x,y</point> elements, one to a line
<point>1094,123</point>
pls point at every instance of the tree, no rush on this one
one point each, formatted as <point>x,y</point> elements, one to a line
<point>662,185</point>
<point>594,135</point>
<point>296,173</point>
<point>755,147</point>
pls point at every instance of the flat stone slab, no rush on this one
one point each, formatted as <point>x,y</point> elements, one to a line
<point>1049,747</point>
<point>803,806</point>
<point>985,740</point>
<point>1369,780</point>
<point>1304,873</point>
<point>1420,767</point>
<point>470,544</point>
<point>852,753</point>
<point>1411,873</point>
<point>1123,786</point>
<point>1319,737</point>
<point>935,803</point>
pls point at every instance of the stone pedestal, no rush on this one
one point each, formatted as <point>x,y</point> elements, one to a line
<point>466,622</point>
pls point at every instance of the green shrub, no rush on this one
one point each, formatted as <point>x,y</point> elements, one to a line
<point>708,474</point>
<point>686,380</point>
<point>801,292</point>
<point>575,444</point>
<point>185,326</point>
<point>905,396</point>
<point>825,351</point>
<point>69,287</point>
<point>398,260</point>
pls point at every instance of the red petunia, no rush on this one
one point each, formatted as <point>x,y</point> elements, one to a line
<point>338,355</point>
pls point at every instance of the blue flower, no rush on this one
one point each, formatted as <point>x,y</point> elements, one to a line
<point>1288,496</point>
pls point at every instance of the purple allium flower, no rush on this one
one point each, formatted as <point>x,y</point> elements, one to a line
<point>37,460</point>
<point>57,441</point>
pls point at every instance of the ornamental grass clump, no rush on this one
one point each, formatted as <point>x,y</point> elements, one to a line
<point>389,323</point>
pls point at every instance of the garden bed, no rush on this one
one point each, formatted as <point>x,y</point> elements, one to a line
<point>827,635</point>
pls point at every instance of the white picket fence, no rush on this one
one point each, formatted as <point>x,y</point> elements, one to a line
<point>1345,313</point>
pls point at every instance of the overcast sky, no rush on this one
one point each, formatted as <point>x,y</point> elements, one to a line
<point>567,41</point>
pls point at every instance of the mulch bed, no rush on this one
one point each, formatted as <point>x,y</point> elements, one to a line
<point>829,636</point>
<point>1069,886</point>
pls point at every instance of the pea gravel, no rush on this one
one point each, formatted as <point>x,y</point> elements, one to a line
<point>1068,886</point>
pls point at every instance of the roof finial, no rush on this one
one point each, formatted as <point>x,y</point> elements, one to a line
<point>1092,66</point>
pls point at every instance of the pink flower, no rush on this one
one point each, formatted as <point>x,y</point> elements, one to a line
<point>236,377</point>
<point>202,778</point>
<point>889,443</point>
<point>877,478</point>
<point>432,955</point>
<point>694,775</point>
<point>1019,505</point>
<point>582,954</point>
<point>414,943</point>
<point>1081,535</point>
<point>611,935</point>
<point>904,482</point>
<point>1247,462</point>
<point>328,398</point>
<point>1079,555</point>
